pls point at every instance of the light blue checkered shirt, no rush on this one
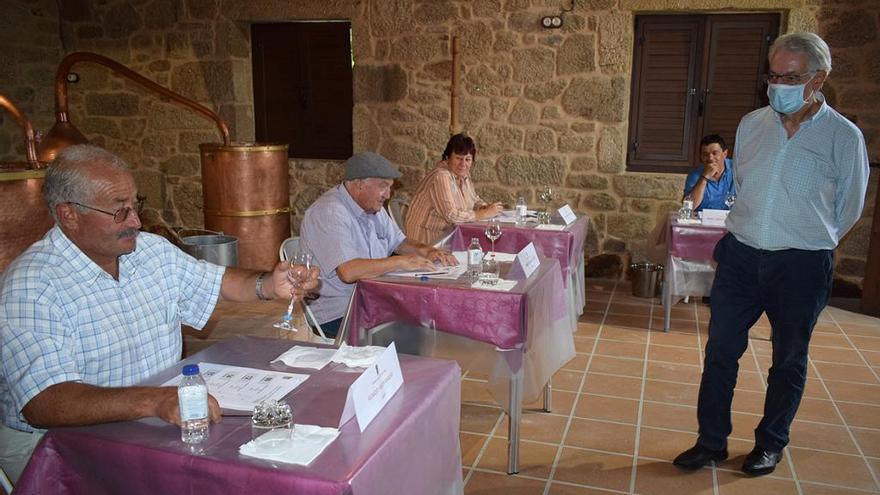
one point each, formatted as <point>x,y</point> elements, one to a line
<point>62,318</point>
<point>336,229</point>
<point>805,192</point>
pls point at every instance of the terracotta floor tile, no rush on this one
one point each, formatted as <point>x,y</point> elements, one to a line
<point>609,408</point>
<point>537,427</point>
<point>663,478</point>
<point>563,489</point>
<point>584,345</point>
<point>599,435</point>
<point>852,329</point>
<point>673,416</point>
<point>624,334</point>
<point>853,392</point>
<point>598,306</point>
<point>478,419</point>
<point>823,437</point>
<point>585,467</point>
<point>678,355</point>
<point>741,484</point>
<point>592,317</point>
<point>617,366</point>
<point>561,402</point>
<point>869,440</point>
<point>826,327</point>
<point>471,445</point>
<point>617,386</point>
<point>629,309</point>
<point>675,325</point>
<point>738,449</point>
<point>482,483</point>
<point>817,489</point>
<point>674,372</point>
<point>835,355</point>
<point>814,389</point>
<point>760,333</point>
<point>750,381</point>
<point>672,393</point>
<point>744,425</point>
<point>663,444</point>
<point>872,357</point>
<point>860,415</point>
<point>621,349</point>
<point>835,469</point>
<point>476,392</point>
<point>674,338</point>
<point>850,373</point>
<point>567,380</point>
<point>821,339</point>
<point>535,459</point>
<point>577,363</point>
<point>585,329</point>
<point>818,410</point>
<point>632,321</point>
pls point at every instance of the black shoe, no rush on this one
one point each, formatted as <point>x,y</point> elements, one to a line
<point>699,456</point>
<point>761,461</point>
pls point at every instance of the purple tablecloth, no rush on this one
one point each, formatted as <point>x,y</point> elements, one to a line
<point>147,456</point>
<point>694,242</point>
<point>567,246</point>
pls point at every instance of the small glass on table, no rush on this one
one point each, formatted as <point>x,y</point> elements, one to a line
<point>272,426</point>
<point>546,198</point>
<point>489,273</point>
<point>301,263</point>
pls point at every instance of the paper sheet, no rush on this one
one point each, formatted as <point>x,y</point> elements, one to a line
<point>306,443</point>
<point>300,356</point>
<point>549,226</point>
<point>440,272</point>
<point>240,388</point>
<point>502,285</point>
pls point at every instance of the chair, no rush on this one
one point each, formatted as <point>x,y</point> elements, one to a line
<point>5,482</point>
<point>288,247</point>
<point>397,209</point>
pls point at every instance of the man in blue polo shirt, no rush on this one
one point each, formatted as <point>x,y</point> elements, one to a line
<point>711,184</point>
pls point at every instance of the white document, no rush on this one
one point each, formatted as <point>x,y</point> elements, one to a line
<point>373,389</point>
<point>240,388</point>
<point>441,272</point>
<point>501,286</point>
<point>549,226</point>
<point>503,257</point>
<point>528,259</point>
<point>567,215</point>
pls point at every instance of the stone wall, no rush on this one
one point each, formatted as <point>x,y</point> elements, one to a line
<point>547,107</point>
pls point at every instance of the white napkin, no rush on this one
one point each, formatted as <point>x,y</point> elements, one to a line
<point>502,285</point>
<point>306,443</point>
<point>689,221</point>
<point>549,226</point>
<point>358,357</point>
<point>306,357</point>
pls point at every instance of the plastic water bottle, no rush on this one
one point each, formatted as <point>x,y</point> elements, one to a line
<point>192,396</point>
<point>521,210</point>
<point>475,259</point>
<point>687,208</point>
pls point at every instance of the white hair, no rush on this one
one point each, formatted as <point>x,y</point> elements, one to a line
<point>817,51</point>
<point>67,179</point>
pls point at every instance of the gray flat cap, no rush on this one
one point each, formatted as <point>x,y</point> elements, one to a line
<point>366,164</point>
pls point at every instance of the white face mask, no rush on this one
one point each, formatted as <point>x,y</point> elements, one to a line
<point>787,98</point>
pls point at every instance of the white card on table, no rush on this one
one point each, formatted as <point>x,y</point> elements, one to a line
<point>528,259</point>
<point>373,389</point>
<point>567,215</point>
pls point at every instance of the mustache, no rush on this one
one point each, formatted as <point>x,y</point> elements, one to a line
<point>127,233</point>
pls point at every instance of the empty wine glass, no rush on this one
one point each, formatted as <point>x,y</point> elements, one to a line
<point>493,232</point>
<point>301,263</point>
<point>730,200</point>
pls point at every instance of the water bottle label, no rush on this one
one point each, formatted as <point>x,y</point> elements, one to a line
<point>521,210</point>
<point>475,257</point>
<point>193,401</point>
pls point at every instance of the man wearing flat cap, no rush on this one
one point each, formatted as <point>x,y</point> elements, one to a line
<point>353,238</point>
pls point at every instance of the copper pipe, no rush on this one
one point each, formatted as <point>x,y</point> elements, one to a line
<point>29,139</point>
<point>454,125</point>
<point>64,134</point>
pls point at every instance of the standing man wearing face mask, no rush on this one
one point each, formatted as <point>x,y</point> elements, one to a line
<point>801,172</point>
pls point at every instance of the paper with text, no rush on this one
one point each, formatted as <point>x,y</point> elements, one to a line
<point>240,388</point>
<point>528,259</point>
<point>373,389</point>
<point>567,215</point>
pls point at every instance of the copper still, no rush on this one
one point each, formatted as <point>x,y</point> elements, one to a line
<point>244,185</point>
<point>24,217</point>
<point>246,192</point>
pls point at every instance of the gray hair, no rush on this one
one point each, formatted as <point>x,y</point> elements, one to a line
<point>817,51</point>
<point>68,180</point>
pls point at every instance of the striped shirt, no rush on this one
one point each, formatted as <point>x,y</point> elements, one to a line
<point>336,229</point>
<point>805,192</point>
<point>64,319</point>
<point>440,201</point>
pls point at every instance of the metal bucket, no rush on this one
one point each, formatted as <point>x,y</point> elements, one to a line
<point>246,194</point>
<point>645,279</point>
<point>213,247</point>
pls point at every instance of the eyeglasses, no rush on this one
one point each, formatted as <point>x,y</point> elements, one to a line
<point>789,79</point>
<point>121,214</point>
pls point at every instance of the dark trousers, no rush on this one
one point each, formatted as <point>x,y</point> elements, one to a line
<point>791,286</point>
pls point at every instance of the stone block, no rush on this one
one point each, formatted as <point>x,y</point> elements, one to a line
<point>486,8</point>
<point>366,134</point>
<point>492,193</point>
<point>846,63</point>
<point>475,40</point>
<point>611,153</point>
<point>540,141</point>
<point>184,165</point>
<point>599,201</point>
<point>305,196</point>
<point>483,78</point>
<point>628,225</point>
<point>606,265</point>
<point>189,141</point>
<point>850,267</point>
<point>498,108</point>
<point>233,39</point>
<point>533,65</point>
<point>163,116</point>
<point>505,41</point>
<point>159,66</point>
<point>162,14</point>
<point>587,181</point>
<point>583,163</point>
<point>551,113</point>
<point>553,41</point>
<point>121,20</point>
<point>520,170</point>
<point>499,138</point>
<point>382,83</point>
<point>189,203</point>
<point>573,23</point>
<point>434,13</point>
<point>160,145</point>
<point>641,205</point>
<point>572,142</point>
<point>89,32</point>
<point>852,27</point>
<point>391,16</point>
<point>205,81</point>
<point>435,113</point>
<point>75,10</point>
<point>615,41</point>
<point>576,55</point>
<point>112,104</point>
<point>438,71</point>
<point>524,21</point>
<point>202,9</point>
<point>484,171</point>
<point>402,153</point>
<point>472,111</point>
<point>614,246</point>
<point>151,184</point>
<point>648,186</point>
<point>523,113</point>
<point>596,98</point>
<point>419,48</point>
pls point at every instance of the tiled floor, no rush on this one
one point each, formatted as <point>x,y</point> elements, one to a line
<point>626,405</point>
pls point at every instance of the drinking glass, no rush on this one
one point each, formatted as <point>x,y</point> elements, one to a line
<point>489,271</point>
<point>493,232</point>
<point>730,200</point>
<point>301,262</point>
<point>272,426</point>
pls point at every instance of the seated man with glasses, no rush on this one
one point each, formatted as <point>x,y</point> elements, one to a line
<point>710,185</point>
<point>95,306</point>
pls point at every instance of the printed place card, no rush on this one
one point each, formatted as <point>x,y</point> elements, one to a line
<point>528,260</point>
<point>567,214</point>
<point>373,389</point>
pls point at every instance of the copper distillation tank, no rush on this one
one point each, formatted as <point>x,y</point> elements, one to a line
<point>245,186</point>
<point>24,217</point>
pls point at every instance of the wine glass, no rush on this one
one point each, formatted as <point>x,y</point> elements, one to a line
<point>301,263</point>
<point>493,232</point>
<point>730,200</point>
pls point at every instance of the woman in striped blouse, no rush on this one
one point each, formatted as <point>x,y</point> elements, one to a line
<point>446,195</point>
